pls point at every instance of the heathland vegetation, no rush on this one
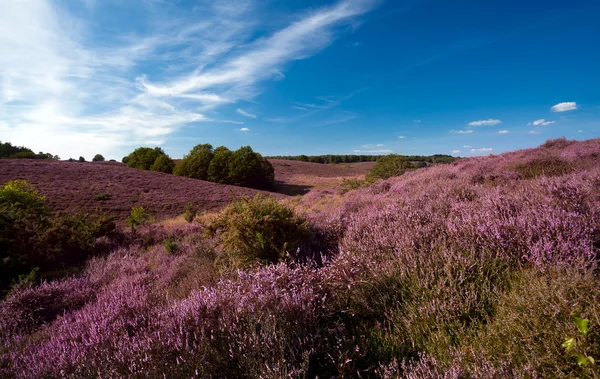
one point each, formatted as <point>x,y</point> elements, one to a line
<point>483,268</point>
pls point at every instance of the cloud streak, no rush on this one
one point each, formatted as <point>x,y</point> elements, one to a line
<point>488,122</point>
<point>62,91</point>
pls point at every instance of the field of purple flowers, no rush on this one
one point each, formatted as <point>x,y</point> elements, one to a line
<point>478,269</point>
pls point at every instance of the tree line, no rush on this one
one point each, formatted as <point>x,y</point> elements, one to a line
<point>243,167</point>
<point>7,150</point>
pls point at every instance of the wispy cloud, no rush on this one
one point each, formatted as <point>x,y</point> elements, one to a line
<point>372,146</point>
<point>402,137</point>
<point>417,121</point>
<point>244,129</point>
<point>61,90</point>
<point>488,122</point>
<point>455,151</point>
<point>467,146</point>
<point>541,122</point>
<point>244,113</point>
<point>533,132</point>
<point>564,107</point>
<point>502,131</point>
<point>467,131</point>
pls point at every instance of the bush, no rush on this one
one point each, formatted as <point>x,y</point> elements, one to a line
<point>102,196</point>
<point>196,163</point>
<point>137,217</point>
<point>218,170</point>
<point>258,229</point>
<point>250,169</point>
<point>388,166</point>
<point>98,158</point>
<point>81,159</point>
<point>163,164</point>
<point>143,158</point>
<point>30,237</point>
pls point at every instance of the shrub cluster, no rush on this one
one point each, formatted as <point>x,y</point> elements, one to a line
<point>258,229</point>
<point>31,237</point>
<point>7,150</point>
<point>388,166</point>
<point>243,167</point>
<point>146,158</point>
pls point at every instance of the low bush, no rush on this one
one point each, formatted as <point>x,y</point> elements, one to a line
<point>98,158</point>
<point>388,166</point>
<point>137,217</point>
<point>258,229</point>
<point>102,197</point>
<point>31,237</point>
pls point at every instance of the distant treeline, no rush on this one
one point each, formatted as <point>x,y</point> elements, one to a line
<point>329,158</point>
<point>7,150</point>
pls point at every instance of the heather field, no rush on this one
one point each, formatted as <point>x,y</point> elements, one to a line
<point>485,268</point>
<point>113,188</point>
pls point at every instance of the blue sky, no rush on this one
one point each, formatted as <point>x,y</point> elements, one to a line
<point>298,76</point>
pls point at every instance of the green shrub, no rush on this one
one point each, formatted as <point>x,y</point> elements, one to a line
<point>143,158</point>
<point>258,229</point>
<point>102,197</point>
<point>190,213</point>
<point>218,170</point>
<point>352,184</point>
<point>388,166</point>
<point>81,159</point>
<point>196,163</point>
<point>250,169</point>
<point>137,217</point>
<point>98,158</point>
<point>30,237</point>
<point>163,164</point>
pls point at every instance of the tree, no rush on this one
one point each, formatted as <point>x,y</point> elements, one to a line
<point>218,170</point>
<point>250,169</point>
<point>143,158</point>
<point>196,163</point>
<point>388,166</point>
<point>98,158</point>
<point>81,159</point>
<point>163,164</point>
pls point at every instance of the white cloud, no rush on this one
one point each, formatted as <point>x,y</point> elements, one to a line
<point>468,131</point>
<point>402,137</point>
<point>62,91</point>
<point>541,122</point>
<point>244,130</point>
<point>533,132</point>
<point>580,131</point>
<point>417,121</point>
<point>481,151</point>
<point>488,122</point>
<point>467,146</point>
<point>372,146</point>
<point>564,107</point>
<point>502,131</point>
<point>455,151</point>
<point>244,113</point>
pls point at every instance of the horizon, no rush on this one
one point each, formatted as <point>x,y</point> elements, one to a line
<point>349,77</point>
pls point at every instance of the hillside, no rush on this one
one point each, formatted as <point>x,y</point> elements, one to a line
<point>71,186</point>
<point>483,268</point>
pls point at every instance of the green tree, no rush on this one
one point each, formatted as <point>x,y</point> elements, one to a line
<point>250,169</point>
<point>163,164</point>
<point>218,170</point>
<point>388,166</point>
<point>143,158</point>
<point>81,159</point>
<point>98,158</point>
<point>196,163</point>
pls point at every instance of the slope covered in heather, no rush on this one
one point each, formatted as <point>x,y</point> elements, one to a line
<point>77,187</point>
<point>480,269</point>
